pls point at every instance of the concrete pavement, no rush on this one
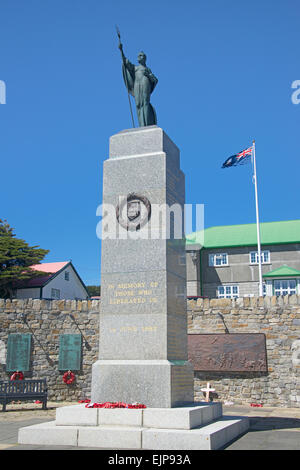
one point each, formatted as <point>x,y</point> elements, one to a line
<point>270,428</point>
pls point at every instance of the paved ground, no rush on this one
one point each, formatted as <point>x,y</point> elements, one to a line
<point>270,428</point>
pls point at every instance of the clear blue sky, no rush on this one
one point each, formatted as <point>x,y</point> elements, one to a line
<point>225,69</point>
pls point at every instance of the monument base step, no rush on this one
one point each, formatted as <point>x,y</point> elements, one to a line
<point>185,417</point>
<point>201,427</point>
<point>209,437</point>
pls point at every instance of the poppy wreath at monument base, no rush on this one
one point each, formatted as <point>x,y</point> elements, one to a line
<point>118,404</point>
<point>69,377</point>
<point>17,376</point>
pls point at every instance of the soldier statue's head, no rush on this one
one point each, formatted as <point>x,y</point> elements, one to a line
<point>142,58</point>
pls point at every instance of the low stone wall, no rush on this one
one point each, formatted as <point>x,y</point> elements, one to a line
<point>46,320</point>
<point>277,318</point>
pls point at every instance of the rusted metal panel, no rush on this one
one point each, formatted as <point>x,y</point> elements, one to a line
<point>228,352</point>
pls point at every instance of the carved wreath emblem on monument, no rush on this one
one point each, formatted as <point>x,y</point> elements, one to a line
<point>133,212</point>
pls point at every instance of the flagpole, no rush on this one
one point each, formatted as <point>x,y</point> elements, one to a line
<point>257,224</point>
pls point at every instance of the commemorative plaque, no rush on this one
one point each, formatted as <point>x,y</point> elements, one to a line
<point>69,352</point>
<point>245,352</point>
<point>18,352</point>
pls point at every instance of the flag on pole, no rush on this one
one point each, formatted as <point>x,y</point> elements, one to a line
<point>238,159</point>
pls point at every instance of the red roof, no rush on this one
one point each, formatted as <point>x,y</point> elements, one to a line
<point>48,268</point>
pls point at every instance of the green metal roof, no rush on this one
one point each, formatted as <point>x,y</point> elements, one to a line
<point>287,231</point>
<point>283,271</point>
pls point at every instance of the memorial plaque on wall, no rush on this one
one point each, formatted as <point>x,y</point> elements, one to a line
<point>245,352</point>
<point>18,352</point>
<point>69,352</point>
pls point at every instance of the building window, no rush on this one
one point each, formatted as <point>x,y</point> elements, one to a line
<point>265,257</point>
<point>285,287</point>
<point>218,259</point>
<point>181,291</point>
<point>182,260</point>
<point>55,293</point>
<point>264,289</point>
<point>228,292</point>
<point>67,276</point>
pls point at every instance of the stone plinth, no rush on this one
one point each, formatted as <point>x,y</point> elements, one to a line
<point>200,427</point>
<point>143,322</point>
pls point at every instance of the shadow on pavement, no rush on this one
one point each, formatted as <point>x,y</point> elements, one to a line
<point>264,423</point>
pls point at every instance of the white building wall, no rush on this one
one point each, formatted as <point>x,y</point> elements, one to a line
<point>71,289</point>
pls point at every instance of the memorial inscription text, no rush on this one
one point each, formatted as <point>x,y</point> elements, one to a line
<point>133,293</point>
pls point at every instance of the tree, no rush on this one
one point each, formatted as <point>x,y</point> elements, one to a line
<point>94,290</point>
<point>16,257</point>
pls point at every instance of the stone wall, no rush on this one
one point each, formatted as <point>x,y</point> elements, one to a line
<point>277,318</point>
<point>46,320</point>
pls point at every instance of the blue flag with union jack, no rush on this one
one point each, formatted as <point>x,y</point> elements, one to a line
<point>239,158</point>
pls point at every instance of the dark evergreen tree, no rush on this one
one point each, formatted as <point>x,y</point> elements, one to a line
<point>94,290</point>
<point>15,258</point>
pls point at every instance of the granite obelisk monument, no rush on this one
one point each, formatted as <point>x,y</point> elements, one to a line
<point>143,321</point>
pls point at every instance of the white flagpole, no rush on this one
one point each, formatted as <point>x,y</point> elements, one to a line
<point>257,225</point>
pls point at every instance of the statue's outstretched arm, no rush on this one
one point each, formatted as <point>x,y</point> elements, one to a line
<point>122,52</point>
<point>126,62</point>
